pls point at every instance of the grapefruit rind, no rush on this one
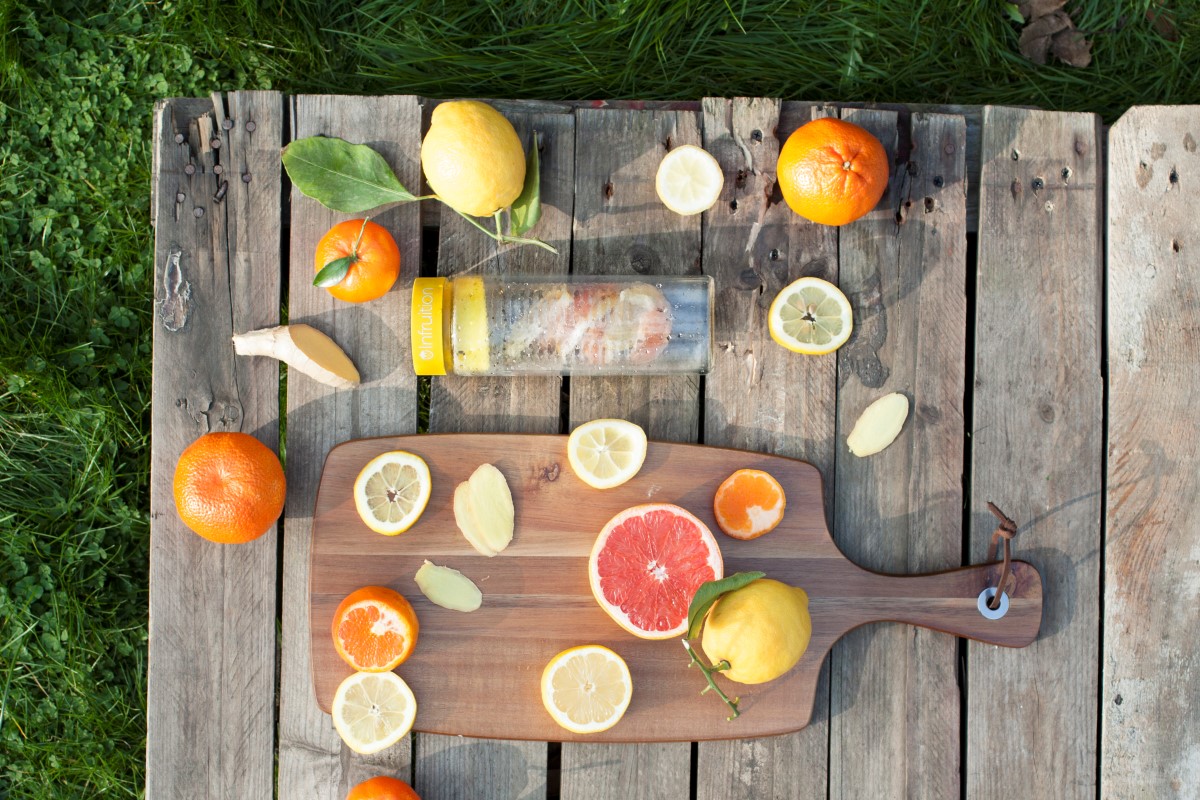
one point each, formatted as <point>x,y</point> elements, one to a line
<point>620,616</point>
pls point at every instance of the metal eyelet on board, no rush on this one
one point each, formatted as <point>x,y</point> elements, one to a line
<point>992,613</point>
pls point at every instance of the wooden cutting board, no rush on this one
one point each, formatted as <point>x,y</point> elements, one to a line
<point>478,674</point>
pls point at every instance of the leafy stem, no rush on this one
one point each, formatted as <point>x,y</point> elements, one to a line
<point>332,273</point>
<point>712,684</point>
<point>504,238</point>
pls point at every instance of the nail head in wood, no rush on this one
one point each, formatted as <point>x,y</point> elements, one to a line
<point>215,143</point>
<point>190,169</point>
<point>250,126</point>
<point>227,124</point>
<point>245,177</point>
<point>198,211</point>
<point>218,169</point>
<point>179,138</point>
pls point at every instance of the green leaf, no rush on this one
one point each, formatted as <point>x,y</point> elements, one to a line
<point>345,177</point>
<point>1014,13</point>
<point>711,591</point>
<point>527,209</point>
<point>332,273</point>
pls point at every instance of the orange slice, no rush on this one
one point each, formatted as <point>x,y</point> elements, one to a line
<point>374,629</point>
<point>748,504</point>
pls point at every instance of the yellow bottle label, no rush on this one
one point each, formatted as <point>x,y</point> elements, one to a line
<point>469,332</point>
<point>428,305</point>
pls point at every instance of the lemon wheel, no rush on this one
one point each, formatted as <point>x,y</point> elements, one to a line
<point>373,710</point>
<point>811,316</point>
<point>606,453</point>
<point>689,180</point>
<point>392,491</point>
<point>586,689</point>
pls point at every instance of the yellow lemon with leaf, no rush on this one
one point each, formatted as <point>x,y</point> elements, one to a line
<point>472,158</point>
<point>762,630</point>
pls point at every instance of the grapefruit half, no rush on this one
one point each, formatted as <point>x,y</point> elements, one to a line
<point>647,563</point>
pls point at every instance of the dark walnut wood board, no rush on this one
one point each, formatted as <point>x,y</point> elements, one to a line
<point>478,674</point>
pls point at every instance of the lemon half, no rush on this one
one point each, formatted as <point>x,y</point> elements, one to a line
<point>373,710</point>
<point>689,180</point>
<point>586,689</point>
<point>606,452</point>
<point>811,316</point>
<point>391,491</point>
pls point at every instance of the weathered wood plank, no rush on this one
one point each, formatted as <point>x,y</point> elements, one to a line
<point>621,227</point>
<point>1149,741</point>
<point>446,767</point>
<point>312,760</point>
<point>754,246</point>
<point>211,681</point>
<point>1037,447</point>
<point>894,707</point>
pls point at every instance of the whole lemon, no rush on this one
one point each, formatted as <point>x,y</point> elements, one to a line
<point>761,629</point>
<point>472,158</point>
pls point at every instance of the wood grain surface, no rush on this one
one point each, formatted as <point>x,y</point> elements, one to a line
<point>477,674</point>
<point>1037,445</point>
<point>895,694</point>
<point>211,676</point>
<point>313,762</point>
<point>1149,746</point>
<point>446,767</point>
<point>758,395</point>
<point>622,228</point>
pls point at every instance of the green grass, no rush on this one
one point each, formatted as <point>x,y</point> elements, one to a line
<point>77,86</point>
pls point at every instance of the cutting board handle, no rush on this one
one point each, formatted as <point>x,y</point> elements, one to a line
<point>949,602</point>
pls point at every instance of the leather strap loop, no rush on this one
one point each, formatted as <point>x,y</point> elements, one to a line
<point>1005,530</point>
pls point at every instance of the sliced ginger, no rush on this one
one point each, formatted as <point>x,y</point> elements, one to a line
<point>483,509</point>
<point>878,425</point>
<point>448,588</point>
<point>304,348</point>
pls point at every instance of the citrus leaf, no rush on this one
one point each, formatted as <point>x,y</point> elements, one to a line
<point>711,591</point>
<point>342,176</point>
<point>332,273</point>
<point>527,209</point>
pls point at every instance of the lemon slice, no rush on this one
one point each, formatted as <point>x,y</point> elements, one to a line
<point>469,333</point>
<point>811,316</point>
<point>689,180</point>
<point>586,689</point>
<point>373,710</point>
<point>606,452</point>
<point>391,491</point>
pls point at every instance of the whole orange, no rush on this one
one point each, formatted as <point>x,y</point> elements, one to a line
<point>382,788</point>
<point>831,171</point>
<point>375,259</point>
<point>229,487</point>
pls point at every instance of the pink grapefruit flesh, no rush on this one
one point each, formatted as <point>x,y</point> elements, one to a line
<point>646,565</point>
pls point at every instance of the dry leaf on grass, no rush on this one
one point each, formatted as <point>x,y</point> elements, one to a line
<point>1048,29</point>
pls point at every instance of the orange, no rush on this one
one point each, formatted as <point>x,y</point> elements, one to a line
<point>646,565</point>
<point>229,487</point>
<point>374,629</point>
<point>748,504</point>
<point>376,264</point>
<point>382,787</point>
<point>831,171</point>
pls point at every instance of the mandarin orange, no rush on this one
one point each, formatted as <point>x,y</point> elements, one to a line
<point>229,487</point>
<point>382,787</point>
<point>375,258</point>
<point>749,503</point>
<point>375,629</point>
<point>831,171</point>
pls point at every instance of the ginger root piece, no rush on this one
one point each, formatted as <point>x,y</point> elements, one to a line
<point>304,349</point>
<point>878,425</point>
<point>448,588</point>
<point>483,509</point>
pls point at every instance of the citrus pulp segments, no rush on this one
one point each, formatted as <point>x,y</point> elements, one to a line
<point>748,504</point>
<point>391,491</point>
<point>373,710</point>
<point>646,565</point>
<point>689,180</point>
<point>811,316</point>
<point>606,453</point>
<point>388,644</point>
<point>586,689</point>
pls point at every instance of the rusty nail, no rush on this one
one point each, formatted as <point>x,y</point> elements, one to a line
<point>245,177</point>
<point>198,211</point>
<point>179,138</point>
<point>179,197</point>
<point>218,169</point>
<point>250,126</point>
<point>215,143</point>
<point>221,190</point>
<point>227,124</point>
<point>190,169</point>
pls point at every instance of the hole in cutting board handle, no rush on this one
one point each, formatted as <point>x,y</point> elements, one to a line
<point>985,597</point>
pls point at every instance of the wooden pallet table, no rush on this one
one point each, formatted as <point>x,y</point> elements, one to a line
<point>1030,279</point>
